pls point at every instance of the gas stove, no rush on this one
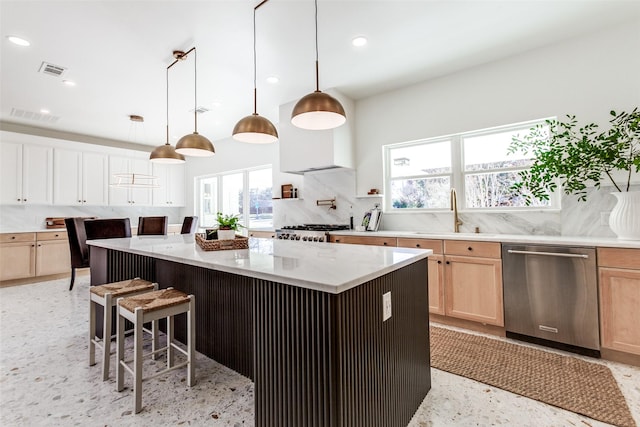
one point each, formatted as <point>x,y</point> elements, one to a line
<point>308,232</point>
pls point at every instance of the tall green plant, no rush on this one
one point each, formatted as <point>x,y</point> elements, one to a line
<point>575,156</point>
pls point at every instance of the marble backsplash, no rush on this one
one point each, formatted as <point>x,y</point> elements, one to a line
<point>574,219</point>
<point>32,217</point>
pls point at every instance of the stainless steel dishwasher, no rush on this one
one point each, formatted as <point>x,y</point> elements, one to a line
<point>551,296</point>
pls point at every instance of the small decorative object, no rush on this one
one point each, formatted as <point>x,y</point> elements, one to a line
<point>578,156</point>
<point>239,242</point>
<point>287,191</point>
<point>227,226</point>
<point>373,191</point>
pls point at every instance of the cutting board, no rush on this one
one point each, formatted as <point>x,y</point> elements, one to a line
<point>54,223</point>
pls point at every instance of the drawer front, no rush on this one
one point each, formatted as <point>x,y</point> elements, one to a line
<point>52,235</point>
<point>17,237</point>
<point>364,240</point>
<point>619,258</point>
<point>434,245</point>
<point>471,248</point>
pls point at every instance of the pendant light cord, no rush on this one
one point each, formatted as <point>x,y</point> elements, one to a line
<point>255,84</point>
<point>195,90</point>
<point>317,73</point>
<point>167,86</point>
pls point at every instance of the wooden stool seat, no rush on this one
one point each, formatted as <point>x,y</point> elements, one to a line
<point>150,307</point>
<point>106,296</point>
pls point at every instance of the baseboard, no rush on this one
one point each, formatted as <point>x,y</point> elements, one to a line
<point>620,356</point>
<point>29,280</point>
<point>468,324</point>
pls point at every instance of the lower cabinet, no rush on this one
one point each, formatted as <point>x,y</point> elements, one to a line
<point>17,255</point>
<point>435,270</point>
<point>619,271</point>
<point>24,255</point>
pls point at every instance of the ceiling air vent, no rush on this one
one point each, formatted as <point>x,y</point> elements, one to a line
<point>32,115</point>
<point>51,70</point>
<point>200,110</point>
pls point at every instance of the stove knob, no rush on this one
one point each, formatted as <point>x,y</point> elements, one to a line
<point>297,237</point>
<point>320,239</point>
<point>280,237</point>
<point>315,239</point>
<point>304,238</point>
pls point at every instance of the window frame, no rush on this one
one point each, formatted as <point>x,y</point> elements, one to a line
<point>458,174</point>
<point>246,196</point>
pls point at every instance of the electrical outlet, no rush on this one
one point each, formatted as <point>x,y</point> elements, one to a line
<point>386,306</point>
<point>604,218</point>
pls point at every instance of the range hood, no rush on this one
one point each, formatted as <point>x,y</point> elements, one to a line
<point>304,150</point>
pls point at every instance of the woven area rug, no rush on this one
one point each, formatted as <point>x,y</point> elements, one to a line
<point>566,382</point>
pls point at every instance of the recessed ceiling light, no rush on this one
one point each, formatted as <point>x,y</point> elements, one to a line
<point>18,40</point>
<point>273,80</point>
<point>44,111</point>
<point>69,82</point>
<point>359,41</point>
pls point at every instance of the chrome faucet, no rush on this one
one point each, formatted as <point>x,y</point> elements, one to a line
<point>454,207</point>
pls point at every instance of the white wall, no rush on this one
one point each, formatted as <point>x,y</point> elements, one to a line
<point>586,77</point>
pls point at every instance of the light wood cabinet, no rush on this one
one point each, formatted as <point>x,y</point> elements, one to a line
<point>263,234</point>
<point>52,253</point>
<point>435,270</point>
<point>17,255</point>
<point>363,240</point>
<point>80,178</point>
<point>26,174</point>
<point>24,255</point>
<point>619,272</point>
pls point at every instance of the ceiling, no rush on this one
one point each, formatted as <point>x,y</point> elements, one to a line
<point>117,52</point>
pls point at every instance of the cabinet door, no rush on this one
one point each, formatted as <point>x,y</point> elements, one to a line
<point>436,284</point>
<point>118,196</point>
<point>473,289</point>
<point>95,179</point>
<point>52,257</point>
<point>177,185</point>
<point>140,196</point>
<point>67,177</point>
<point>619,313</point>
<point>160,195</point>
<point>11,182</point>
<point>17,260</point>
<point>37,174</point>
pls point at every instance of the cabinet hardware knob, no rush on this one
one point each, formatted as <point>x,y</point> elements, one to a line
<point>57,235</point>
<point>25,200</point>
<point>337,240</point>
<point>439,262</point>
<point>384,243</point>
<point>447,262</point>
<point>84,201</point>
<point>19,199</point>
<point>79,201</point>
<point>13,237</point>
<point>470,248</point>
<point>417,245</point>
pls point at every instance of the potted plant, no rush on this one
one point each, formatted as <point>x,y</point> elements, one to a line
<point>227,226</point>
<point>573,157</point>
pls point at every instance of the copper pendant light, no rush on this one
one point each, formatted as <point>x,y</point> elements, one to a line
<point>166,153</point>
<point>254,128</point>
<point>318,110</point>
<point>193,144</point>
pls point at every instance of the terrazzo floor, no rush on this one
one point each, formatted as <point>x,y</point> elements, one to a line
<point>45,380</point>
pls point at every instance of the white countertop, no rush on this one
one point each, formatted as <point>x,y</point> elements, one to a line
<point>321,266</point>
<point>502,238</point>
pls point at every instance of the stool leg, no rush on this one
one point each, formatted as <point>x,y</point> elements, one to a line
<point>191,341</point>
<point>106,336</point>
<point>137,361</point>
<point>154,333</point>
<point>92,332</point>
<point>119,350</point>
<point>170,350</point>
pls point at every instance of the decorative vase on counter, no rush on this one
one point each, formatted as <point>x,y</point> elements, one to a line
<point>226,234</point>
<point>624,219</point>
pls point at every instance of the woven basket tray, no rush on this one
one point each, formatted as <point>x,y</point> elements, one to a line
<point>221,245</point>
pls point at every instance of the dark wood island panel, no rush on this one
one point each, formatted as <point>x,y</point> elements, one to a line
<point>316,358</point>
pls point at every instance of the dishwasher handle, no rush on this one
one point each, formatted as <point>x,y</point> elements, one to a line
<point>558,254</point>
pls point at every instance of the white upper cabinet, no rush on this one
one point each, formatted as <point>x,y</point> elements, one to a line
<point>26,174</point>
<point>304,150</point>
<point>80,178</point>
<point>172,185</point>
<point>119,196</point>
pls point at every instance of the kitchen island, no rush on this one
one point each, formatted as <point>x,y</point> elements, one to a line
<point>304,322</point>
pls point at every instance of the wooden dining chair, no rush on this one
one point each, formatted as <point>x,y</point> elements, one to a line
<point>189,225</point>
<point>108,228</point>
<point>152,225</point>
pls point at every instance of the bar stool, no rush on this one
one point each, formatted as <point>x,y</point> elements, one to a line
<point>151,307</point>
<point>107,295</point>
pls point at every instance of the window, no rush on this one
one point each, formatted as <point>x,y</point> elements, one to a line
<point>421,174</point>
<point>247,193</point>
